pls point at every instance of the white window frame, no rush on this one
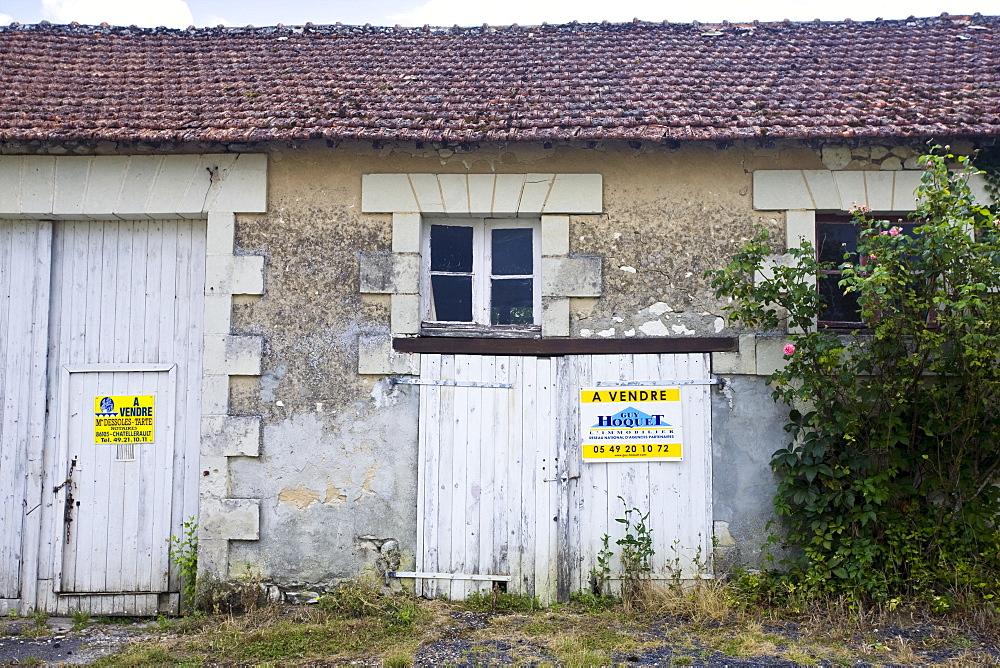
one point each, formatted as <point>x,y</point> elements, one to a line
<point>482,262</point>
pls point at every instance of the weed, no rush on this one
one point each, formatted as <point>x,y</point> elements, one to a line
<point>572,655</point>
<point>904,652</point>
<point>637,550</point>
<point>31,661</point>
<point>140,655</point>
<point>80,619</point>
<point>397,660</point>
<point>601,573</point>
<point>184,555</point>
<point>502,602</point>
<point>593,602</point>
<point>605,637</point>
<point>39,627</point>
<point>701,601</point>
<point>228,596</point>
<point>366,598</point>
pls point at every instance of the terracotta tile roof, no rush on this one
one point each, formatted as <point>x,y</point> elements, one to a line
<point>656,82</point>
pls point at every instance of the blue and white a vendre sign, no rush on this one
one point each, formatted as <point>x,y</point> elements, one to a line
<point>631,423</point>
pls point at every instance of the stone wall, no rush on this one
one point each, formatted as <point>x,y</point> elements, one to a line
<point>336,473</point>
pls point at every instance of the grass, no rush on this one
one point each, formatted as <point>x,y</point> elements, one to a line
<point>501,602</point>
<point>679,626</point>
<point>80,620</point>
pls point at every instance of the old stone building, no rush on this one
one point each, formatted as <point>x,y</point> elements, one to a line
<point>341,295</point>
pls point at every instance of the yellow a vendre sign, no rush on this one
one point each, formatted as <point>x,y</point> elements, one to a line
<point>127,418</point>
<point>631,423</point>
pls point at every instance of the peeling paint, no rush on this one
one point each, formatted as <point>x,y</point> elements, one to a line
<point>654,328</point>
<point>719,325</point>
<point>681,329</point>
<point>366,486</point>
<point>299,497</point>
<point>659,308</point>
<point>727,392</point>
<point>629,332</point>
<point>630,270</point>
<point>334,495</point>
<point>586,332</point>
<point>606,333</point>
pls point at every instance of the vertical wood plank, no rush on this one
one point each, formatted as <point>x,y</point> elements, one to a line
<point>428,444</point>
<point>545,468</point>
<point>445,484</point>
<point>504,495</point>
<point>484,500</point>
<point>186,439</point>
<point>461,421</point>
<point>25,249</point>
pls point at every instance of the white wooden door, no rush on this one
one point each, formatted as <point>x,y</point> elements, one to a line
<point>503,490</point>
<point>486,507</point>
<point>126,319</point>
<point>677,494</point>
<point>24,292</point>
<point>118,501</point>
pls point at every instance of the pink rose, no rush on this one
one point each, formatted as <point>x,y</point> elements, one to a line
<point>883,233</point>
<point>871,256</point>
<point>894,231</point>
<point>789,349</point>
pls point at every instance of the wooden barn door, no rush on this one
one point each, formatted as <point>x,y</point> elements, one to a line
<point>24,291</point>
<point>503,493</point>
<point>126,326</point>
<point>676,494</point>
<point>487,470</point>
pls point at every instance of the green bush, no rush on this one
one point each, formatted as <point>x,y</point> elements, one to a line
<point>887,487</point>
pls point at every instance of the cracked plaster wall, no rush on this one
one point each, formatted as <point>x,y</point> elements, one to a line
<point>338,456</point>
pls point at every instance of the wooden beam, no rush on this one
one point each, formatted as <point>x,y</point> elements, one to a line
<point>553,347</point>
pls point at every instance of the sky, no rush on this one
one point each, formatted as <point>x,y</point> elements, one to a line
<point>182,13</point>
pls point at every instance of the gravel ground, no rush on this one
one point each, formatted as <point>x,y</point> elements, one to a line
<point>470,640</point>
<point>462,647</point>
<point>61,645</point>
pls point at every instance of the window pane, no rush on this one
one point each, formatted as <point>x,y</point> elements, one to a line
<point>511,302</point>
<point>839,307</point>
<point>451,297</point>
<point>512,252</point>
<point>835,239</point>
<point>451,248</point>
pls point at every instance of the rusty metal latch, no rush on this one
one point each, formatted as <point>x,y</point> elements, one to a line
<point>68,484</point>
<point>562,478</point>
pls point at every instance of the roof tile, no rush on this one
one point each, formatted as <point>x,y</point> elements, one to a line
<point>916,77</point>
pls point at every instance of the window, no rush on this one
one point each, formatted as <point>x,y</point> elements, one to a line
<point>482,273</point>
<point>837,237</point>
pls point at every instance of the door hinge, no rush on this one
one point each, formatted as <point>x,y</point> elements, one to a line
<point>398,380</point>
<point>668,382</point>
